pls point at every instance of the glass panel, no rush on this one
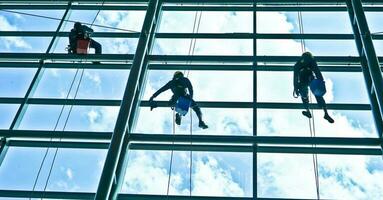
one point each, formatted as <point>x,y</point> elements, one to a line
<point>92,118</point>
<point>278,87</point>
<point>40,117</point>
<point>207,85</point>
<point>20,168</point>
<point>109,20</point>
<point>82,118</point>
<point>227,174</point>
<point>285,176</point>
<point>95,84</point>
<point>203,47</point>
<point>8,112</point>
<point>70,175</point>
<point>30,20</point>
<point>24,44</point>
<point>221,121</point>
<point>210,22</point>
<point>336,22</point>
<point>374,20</point>
<point>147,172</point>
<point>15,82</point>
<point>287,22</point>
<point>278,122</point>
<point>350,177</point>
<point>317,47</point>
<point>277,22</point>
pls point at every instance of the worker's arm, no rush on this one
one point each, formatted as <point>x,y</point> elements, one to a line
<point>87,29</point>
<point>161,90</point>
<point>316,70</point>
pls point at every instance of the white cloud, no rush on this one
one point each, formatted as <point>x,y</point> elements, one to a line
<point>102,118</point>
<point>69,173</point>
<point>10,42</point>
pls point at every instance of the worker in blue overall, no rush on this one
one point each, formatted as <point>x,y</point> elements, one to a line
<point>306,73</point>
<point>178,86</point>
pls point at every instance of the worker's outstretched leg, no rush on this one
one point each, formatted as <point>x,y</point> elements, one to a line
<point>322,104</point>
<point>197,111</point>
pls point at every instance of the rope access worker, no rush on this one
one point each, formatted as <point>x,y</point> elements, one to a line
<point>305,71</point>
<point>178,86</point>
<point>82,32</point>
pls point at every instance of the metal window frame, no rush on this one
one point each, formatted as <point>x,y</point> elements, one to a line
<point>143,60</point>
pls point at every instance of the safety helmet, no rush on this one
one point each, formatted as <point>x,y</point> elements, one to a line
<point>178,74</point>
<point>77,25</point>
<point>307,55</point>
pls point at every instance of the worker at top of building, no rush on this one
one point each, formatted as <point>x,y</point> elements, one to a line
<point>178,86</point>
<point>305,71</point>
<point>80,31</point>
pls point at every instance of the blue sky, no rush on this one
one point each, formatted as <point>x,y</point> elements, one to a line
<point>228,174</point>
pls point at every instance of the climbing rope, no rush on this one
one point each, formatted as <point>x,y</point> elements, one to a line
<point>65,123</point>
<point>196,26</point>
<point>59,19</point>
<point>311,121</point>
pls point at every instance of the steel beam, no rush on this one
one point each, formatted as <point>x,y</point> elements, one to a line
<point>206,104</point>
<point>373,64</point>
<point>82,135</point>
<point>22,138</point>
<point>200,67</point>
<point>127,107</point>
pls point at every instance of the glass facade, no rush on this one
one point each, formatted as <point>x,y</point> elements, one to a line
<point>72,128</point>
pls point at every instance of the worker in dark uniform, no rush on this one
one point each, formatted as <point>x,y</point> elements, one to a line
<point>80,31</point>
<point>178,86</point>
<point>306,70</point>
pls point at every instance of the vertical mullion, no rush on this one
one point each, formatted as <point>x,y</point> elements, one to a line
<point>365,66</point>
<point>123,160</point>
<point>128,104</point>
<point>3,149</point>
<point>255,177</point>
<point>39,73</point>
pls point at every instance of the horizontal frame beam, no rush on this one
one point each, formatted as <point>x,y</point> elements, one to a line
<point>172,58</point>
<point>212,67</point>
<point>202,147</point>
<point>276,36</point>
<point>206,104</point>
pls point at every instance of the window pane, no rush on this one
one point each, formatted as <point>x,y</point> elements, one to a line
<point>227,174</point>
<point>285,122</point>
<point>19,21</point>
<point>95,84</point>
<point>285,176</point>
<point>203,47</point>
<point>82,118</point>
<point>15,82</point>
<point>8,112</point>
<point>24,44</point>
<point>350,177</point>
<point>278,87</point>
<point>19,170</point>
<point>207,85</point>
<point>210,22</point>
<point>221,121</point>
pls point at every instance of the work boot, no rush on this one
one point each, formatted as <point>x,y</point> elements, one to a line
<point>178,119</point>
<point>306,113</point>
<point>328,118</point>
<point>202,125</point>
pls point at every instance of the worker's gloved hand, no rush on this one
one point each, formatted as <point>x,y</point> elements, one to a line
<point>152,103</point>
